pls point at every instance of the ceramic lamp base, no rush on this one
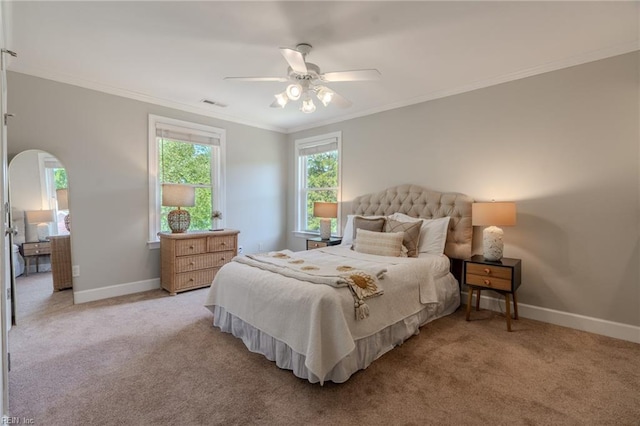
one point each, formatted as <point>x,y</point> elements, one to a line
<point>67,222</point>
<point>179,221</point>
<point>492,243</point>
<point>325,229</point>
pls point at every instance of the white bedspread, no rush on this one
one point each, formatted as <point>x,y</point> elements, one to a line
<point>317,320</point>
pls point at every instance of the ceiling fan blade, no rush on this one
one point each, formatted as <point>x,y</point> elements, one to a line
<point>354,75</point>
<point>278,79</point>
<point>340,101</point>
<point>295,60</point>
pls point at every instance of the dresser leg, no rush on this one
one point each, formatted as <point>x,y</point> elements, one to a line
<point>478,299</point>
<point>515,306</point>
<point>507,304</point>
<point>469,296</point>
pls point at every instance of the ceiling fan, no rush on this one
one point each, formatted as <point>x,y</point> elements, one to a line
<point>306,80</point>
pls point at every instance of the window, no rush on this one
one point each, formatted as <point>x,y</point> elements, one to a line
<point>190,154</point>
<point>53,178</point>
<point>318,179</point>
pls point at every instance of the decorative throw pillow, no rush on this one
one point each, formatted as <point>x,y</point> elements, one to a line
<point>348,233</point>
<point>368,224</point>
<point>379,243</point>
<point>433,232</point>
<point>411,234</point>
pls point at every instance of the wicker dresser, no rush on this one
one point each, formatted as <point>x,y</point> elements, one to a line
<point>191,260</point>
<point>61,262</point>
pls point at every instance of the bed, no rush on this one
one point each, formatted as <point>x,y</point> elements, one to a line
<point>18,224</point>
<point>320,332</point>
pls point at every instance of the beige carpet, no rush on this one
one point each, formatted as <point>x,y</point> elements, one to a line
<point>153,359</point>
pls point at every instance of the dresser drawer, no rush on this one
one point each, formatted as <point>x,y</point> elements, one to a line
<point>489,282</point>
<point>222,243</point>
<point>203,261</point>
<point>489,271</point>
<point>195,279</point>
<point>191,246</point>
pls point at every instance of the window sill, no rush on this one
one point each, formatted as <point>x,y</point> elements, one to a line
<point>153,245</point>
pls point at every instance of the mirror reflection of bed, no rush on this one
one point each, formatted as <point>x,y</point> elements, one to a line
<point>41,244</point>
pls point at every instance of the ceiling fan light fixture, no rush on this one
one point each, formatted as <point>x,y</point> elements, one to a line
<point>282,99</point>
<point>294,91</point>
<point>325,96</point>
<point>308,106</point>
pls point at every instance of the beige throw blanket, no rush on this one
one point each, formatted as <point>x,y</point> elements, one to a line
<point>362,284</point>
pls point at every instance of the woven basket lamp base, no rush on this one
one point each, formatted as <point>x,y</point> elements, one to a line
<point>179,221</point>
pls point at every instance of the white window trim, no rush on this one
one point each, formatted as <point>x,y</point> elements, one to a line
<point>300,206</point>
<point>219,176</point>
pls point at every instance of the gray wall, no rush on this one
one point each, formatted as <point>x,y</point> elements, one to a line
<point>563,145</point>
<point>102,141</point>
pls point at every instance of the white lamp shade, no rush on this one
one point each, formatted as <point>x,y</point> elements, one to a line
<point>62,195</point>
<point>39,216</point>
<point>493,214</point>
<point>325,210</point>
<point>175,195</point>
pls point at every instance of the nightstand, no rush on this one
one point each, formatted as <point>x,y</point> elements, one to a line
<point>31,250</point>
<point>502,276</point>
<point>314,243</point>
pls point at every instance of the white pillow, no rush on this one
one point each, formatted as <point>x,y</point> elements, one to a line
<point>433,232</point>
<point>379,243</point>
<point>347,235</point>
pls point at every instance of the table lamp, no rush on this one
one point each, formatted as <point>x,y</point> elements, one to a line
<point>325,211</point>
<point>40,218</point>
<point>174,195</point>
<point>493,215</point>
<point>62,195</point>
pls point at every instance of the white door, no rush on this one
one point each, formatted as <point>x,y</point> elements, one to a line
<point>6,274</point>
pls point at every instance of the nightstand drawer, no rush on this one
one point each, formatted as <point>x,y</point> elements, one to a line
<point>203,261</point>
<point>32,249</point>
<point>488,281</point>
<point>314,245</point>
<point>489,271</point>
<point>191,246</point>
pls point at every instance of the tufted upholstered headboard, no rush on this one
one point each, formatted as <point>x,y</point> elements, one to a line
<point>417,201</point>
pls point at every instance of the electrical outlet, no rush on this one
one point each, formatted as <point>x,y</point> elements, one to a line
<point>75,271</point>
<point>239,249</point>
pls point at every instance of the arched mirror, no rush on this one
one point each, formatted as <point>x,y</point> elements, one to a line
<point>38,193</point>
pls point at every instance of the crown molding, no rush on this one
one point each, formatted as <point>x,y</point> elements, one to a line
<point>571,61</point>
<point>92,85</point>
<point>504,78</point>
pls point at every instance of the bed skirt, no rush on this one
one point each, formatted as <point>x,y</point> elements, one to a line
<point>367,349</point>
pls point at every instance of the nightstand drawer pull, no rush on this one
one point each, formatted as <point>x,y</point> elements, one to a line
<point>487,282</point>
<point>487,271</point>
<point>191,247</point>
<point>37,251</point>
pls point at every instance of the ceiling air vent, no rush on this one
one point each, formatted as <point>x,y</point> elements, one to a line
<point>210,102</point>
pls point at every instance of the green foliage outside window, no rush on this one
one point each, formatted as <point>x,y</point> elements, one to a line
<point>322,177</point>
<point>189,164</point>
<point>60,177</point>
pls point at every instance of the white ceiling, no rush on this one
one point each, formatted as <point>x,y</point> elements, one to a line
<point>177,53</point>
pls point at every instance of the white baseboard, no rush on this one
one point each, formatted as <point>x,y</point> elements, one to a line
<point>617,330</point>
<point>84,296</point>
